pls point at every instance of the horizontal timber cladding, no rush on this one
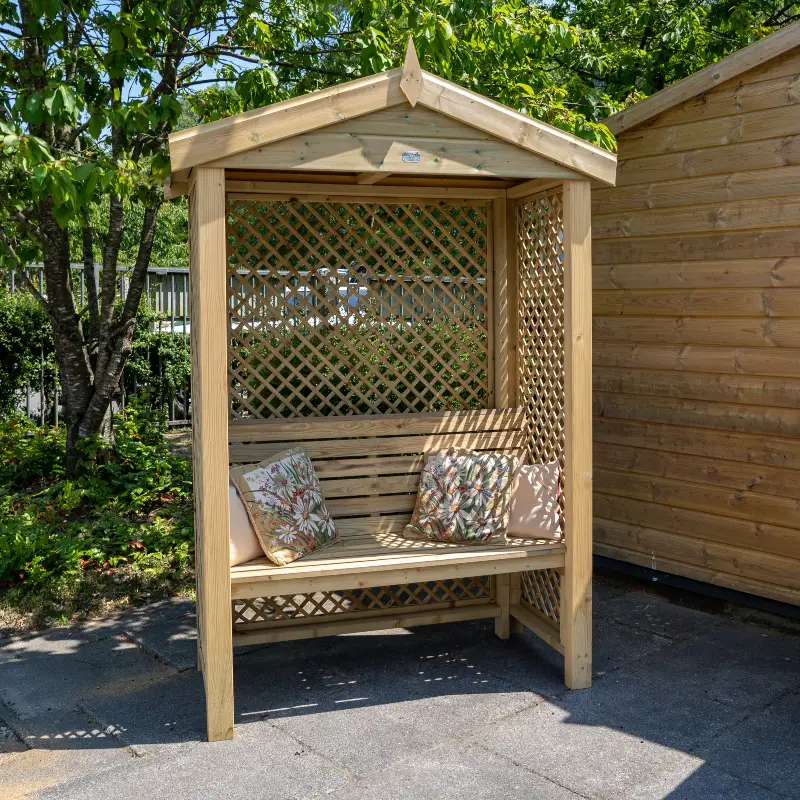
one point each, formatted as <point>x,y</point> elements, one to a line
<point>697,339</point>
<point>358,307</point>
<point>754,273</point>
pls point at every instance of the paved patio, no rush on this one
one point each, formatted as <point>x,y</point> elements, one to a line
<point>685,704</point>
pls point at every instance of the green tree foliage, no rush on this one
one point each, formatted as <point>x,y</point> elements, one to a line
<point>645,45</point>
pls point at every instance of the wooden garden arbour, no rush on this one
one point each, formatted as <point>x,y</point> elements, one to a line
<point>371,265</point>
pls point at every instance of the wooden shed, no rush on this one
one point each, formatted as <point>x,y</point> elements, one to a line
<point>380,271</point>
<point>697,328</point>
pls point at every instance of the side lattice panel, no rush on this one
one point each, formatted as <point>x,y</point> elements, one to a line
<point>357,307</point>
<point>541,360</point>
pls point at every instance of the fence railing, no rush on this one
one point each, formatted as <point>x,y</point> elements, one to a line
<point>166,294</point>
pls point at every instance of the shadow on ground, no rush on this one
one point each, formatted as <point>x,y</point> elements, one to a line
<point>684,705</point>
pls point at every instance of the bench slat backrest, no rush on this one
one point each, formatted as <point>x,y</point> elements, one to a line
<point>368,465</point>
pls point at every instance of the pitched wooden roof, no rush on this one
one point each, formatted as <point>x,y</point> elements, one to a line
<point>207,143</point>
<point>733,65</point>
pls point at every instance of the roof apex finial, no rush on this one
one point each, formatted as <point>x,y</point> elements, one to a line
<point>411,80</point>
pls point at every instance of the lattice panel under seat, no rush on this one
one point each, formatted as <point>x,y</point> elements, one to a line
<point>541,590</point>
<point>357,307</point>
<point>459,591</point>
<point>541,328</point>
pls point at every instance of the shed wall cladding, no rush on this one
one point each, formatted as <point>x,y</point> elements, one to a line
<point>697,339</point>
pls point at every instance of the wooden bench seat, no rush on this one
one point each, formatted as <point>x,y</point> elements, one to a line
<point>369,469</point>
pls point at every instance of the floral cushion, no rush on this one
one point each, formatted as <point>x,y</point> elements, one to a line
<point>463,497</point>
<point>283,498</point>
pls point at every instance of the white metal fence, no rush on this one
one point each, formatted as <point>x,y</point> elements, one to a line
<point>166,293</point>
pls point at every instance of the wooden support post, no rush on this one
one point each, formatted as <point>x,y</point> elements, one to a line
<point>512,270</point>
<point>502,624</point>
<point>576,586</point>
<point>210,445</point>
<point>500,317</point>
<point>515,593</point>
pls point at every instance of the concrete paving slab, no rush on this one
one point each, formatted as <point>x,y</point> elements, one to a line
<point>708,783</point>
<point>594,751</point>
<point>268,765</point>
<point>452,772</point>
<point>648,612</point>
<point>61,670</point>
<point>170,635</point>
<point>741,665</point>
<point>764,747</point>
<point>155,716</point>
<point>24,774</point>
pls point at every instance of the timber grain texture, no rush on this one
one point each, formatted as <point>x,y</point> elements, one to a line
<point>696,380</point>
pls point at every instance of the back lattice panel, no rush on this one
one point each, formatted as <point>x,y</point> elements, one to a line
<point>284,607</point>
<point>541,321</point>
<point>356,308</point>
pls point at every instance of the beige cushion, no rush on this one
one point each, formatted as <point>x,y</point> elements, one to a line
<point>535,512</point>
<point>244,542</point>
<point>284,501</point>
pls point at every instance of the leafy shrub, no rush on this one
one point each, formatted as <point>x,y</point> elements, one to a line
<point>25,339</point>
<point>129,510</point>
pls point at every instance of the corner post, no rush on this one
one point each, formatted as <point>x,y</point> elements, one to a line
<point>210,444</point>
<point>576,586</point>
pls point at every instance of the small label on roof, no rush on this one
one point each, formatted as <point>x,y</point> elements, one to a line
<point>411,156</point>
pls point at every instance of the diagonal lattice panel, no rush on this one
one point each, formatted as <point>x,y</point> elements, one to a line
<point>409,595</point>
<point>352,308</point>
<point>541,326</point>
<point>541,360</point>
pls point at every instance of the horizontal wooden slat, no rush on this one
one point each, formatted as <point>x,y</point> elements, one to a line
<point>287,190</point>
<point>764,420</point>
<point>699,573</point>
<point>359,467</point>
<point>771,212</point>
<point>699,303</point>
<point>355,487</point>
<point>764,154</point>
<point>406,618</point>
<point>775,539</point>
<point>719,557</point>
<point>760,391</point>
<point>777,242</point>
<point>390,445</point>
<point>544,629</point>
<point>766,124</point>
<point>403,120</point>
<point>373,526</point>
<point>726,331</point>
<point>727,188</point>
<point>699,497</point>
<point>748,447</point>
<point>383,504</point>
<point>299,429</point>
<point>305,576</point>
<point>738,475</point>
<point>729,274</point>
<point>325,151</point>
<point>778,361</point>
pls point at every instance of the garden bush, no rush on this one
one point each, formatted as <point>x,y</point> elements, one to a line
<point>117,532</point>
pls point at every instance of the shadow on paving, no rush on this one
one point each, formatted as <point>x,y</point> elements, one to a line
<point>684,705</point>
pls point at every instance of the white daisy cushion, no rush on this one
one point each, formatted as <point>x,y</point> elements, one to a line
<point>283,499</point>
